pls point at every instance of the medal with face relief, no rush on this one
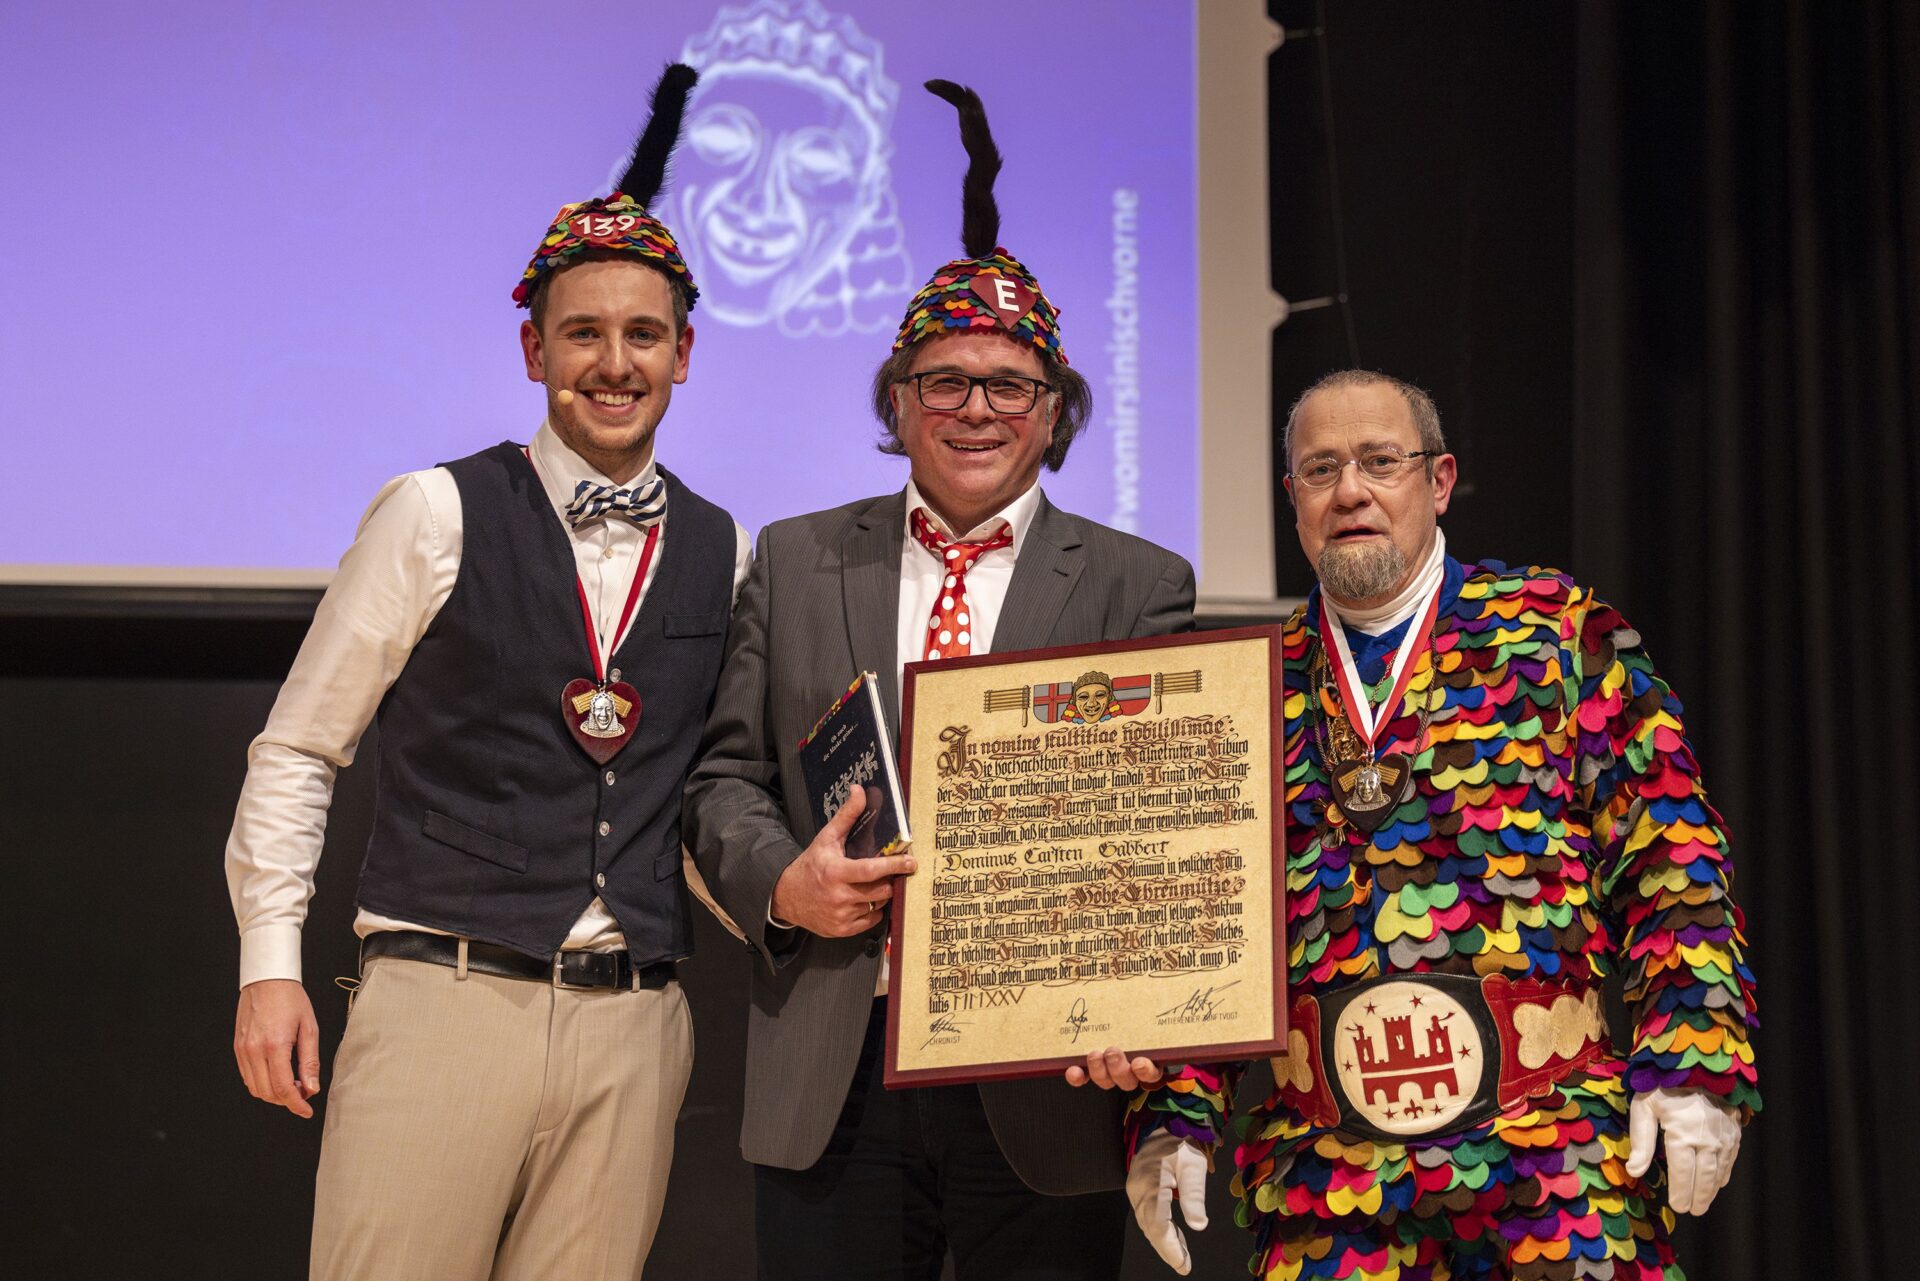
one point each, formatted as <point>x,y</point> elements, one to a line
<point>602,713</point>
<point>603,710</point>
<point>601,716</point>
<point>1368,790</point>
<point>1368,787</point>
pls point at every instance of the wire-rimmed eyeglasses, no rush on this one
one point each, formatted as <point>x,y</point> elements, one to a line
<point>1382,464</point>
<point>948,391</point>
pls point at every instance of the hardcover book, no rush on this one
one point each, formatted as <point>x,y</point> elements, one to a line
<point>849,747</point>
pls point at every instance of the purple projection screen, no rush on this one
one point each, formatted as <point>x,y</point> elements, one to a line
<point>260,256</point>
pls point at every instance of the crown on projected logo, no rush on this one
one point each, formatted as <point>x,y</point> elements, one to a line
<point>620,222</point>
<point>989,288</point>
<point>831,50</point>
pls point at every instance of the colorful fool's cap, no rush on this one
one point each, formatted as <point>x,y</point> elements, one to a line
<point>989,288</point>
<point>620,221</point>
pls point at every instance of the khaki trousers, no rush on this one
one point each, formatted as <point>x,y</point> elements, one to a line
<point>482,1127</point>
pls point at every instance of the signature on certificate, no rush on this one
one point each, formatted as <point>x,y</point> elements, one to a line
<point>946,1026</point>
<point>1200,1007</point>
<point>1077,1017</point>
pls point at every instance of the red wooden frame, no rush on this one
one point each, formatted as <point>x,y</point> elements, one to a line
<point>1276,745</point>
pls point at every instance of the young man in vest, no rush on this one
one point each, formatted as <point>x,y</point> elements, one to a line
<point>538,631</point>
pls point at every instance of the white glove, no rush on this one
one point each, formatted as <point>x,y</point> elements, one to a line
<point>1703,1138</point>
<point>1165,1165</point>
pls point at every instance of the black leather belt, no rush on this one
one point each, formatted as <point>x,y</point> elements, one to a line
<point>564,969</point>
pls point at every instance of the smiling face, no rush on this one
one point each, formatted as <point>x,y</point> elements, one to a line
<point>1365,539</point>
<point>1092,700</point>
<point>776,177</point>
<point>609,338</point>
<point>972,461</point>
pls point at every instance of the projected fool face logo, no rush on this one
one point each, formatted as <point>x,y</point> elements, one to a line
<point>776,180</point>
<point>781,195</point>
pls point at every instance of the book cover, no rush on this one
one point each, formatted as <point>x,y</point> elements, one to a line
<point>849,747</point>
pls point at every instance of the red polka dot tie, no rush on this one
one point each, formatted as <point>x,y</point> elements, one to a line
<point>950,630</point>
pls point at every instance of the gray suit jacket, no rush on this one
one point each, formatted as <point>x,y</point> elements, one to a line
<point>821,605</point>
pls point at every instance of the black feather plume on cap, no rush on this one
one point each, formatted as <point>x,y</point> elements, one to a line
<point>647,171</point>
<point>980,218</point>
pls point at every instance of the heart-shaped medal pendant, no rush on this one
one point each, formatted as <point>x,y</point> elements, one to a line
<point>601,717</point>
<point>1369,790</point>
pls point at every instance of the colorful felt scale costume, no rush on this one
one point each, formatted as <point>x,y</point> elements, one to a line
<point>1556,831</point>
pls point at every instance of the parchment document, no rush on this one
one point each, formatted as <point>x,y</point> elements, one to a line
<point>1097,831</point>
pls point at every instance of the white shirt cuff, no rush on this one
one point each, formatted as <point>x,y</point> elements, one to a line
<point>270,952</point>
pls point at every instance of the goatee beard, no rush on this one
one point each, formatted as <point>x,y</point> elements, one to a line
<point>1362,571</point>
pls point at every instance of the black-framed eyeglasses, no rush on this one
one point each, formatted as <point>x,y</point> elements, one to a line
<point>1382,465</point>
<point>1006,393</point>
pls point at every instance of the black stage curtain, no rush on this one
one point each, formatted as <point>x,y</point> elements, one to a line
<point>1747,374</point>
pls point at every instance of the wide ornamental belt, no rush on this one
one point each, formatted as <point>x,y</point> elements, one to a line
<point>1425,1056</point>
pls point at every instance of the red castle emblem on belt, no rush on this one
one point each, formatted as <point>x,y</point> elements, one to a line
<point>1428,1071</point>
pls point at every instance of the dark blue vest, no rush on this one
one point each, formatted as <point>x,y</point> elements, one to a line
<point>490,817</point>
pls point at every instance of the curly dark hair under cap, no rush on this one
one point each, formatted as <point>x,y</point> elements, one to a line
<point>1063,381</point>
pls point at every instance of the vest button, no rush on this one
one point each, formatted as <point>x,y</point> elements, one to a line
<point>600,880</point>
<point>609,778</point>
<point>605,827</point>
<point>872,948</point>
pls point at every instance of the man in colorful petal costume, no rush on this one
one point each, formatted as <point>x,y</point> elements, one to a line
<point>537,630</point>
<point>1491,809</point>
<point>1015,1179</point>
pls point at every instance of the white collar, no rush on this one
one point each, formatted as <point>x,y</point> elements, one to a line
<point>561,470</point>
<point>1384,618</point>
<point>1018,515</point>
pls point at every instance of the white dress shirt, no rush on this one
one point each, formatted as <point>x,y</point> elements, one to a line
<point>390,585</point>
<point>923,577</point>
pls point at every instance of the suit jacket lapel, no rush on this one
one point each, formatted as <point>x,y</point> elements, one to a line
<point>870,592</point>
<point>1051,558</point>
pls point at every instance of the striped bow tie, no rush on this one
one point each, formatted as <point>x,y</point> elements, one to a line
<point>643,504</point>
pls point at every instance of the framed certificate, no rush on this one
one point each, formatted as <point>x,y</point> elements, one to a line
<point>1098,829</point>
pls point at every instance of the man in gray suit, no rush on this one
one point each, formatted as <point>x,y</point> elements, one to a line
<point>1018,1179</point>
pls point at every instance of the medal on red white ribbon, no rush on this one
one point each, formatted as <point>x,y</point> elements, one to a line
<point>1367,786</point>
<point>603,713</point>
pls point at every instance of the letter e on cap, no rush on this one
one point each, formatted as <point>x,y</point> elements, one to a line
<point>1008,299</point>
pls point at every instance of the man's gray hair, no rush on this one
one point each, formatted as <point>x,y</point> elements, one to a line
<point>1426,418</point>
<point>1076,402</point>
